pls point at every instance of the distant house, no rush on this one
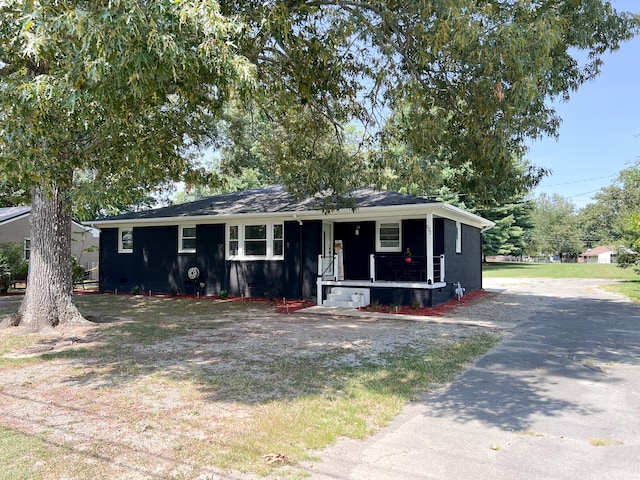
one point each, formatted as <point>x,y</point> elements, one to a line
<point>603,254</point>
<point>392,248</point>
<point>16,227</point>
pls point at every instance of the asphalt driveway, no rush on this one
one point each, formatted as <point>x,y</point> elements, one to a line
<point>559,398</point>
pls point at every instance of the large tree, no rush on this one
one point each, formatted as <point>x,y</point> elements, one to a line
<point>605,220</point>
<point>126,91</point>
<point>555,227</point>
<point>122,89</point>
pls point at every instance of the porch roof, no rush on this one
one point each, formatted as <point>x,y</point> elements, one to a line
<point>275,201</point>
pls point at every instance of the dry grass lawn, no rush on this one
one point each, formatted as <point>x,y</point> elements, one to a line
<point>197,389</point>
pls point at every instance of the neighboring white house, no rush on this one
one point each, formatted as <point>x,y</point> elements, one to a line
<point>16,227</point>
<point>603,254</point>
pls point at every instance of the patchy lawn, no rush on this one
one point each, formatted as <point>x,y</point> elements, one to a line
<point>196,388</point>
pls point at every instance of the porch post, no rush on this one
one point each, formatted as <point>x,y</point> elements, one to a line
<point>372,267</point>
<point>319,290</point>
<point>429,247</point>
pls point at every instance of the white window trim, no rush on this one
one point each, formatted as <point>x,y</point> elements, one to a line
<point>380,248</point>
<point>121,249</point>
<point>181,237</point>
<point>241,240</point>
<point>458,237</point>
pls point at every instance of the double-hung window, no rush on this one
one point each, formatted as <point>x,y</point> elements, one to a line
<point>187,239</point>
<point>388,236</point>
<point>255,241</point>
<point>125,240</point>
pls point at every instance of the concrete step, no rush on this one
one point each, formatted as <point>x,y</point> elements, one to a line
<point>344,296</point>
<point>340,303</point>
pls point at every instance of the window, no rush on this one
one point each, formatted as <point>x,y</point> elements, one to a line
<point>187,239</point>
<point>125,240</point>
<point>388,237</point>
<point>233,241</point>
<point>256,241</point>
<point>278,240</point>
<point>458,237</point>
<point>27,249</point>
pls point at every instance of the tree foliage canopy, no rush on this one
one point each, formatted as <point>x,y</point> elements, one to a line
<point>126,91</point>
<point>606,219</point>
<point>556,230</point>
<point>121,91</point>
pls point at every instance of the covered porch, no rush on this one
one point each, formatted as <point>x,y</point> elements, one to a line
<point>393,279</point>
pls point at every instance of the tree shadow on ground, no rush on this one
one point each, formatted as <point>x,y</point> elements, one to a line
<point>253,356</point>
<point>562,338</point>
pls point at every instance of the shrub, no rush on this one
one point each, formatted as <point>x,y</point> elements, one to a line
<point>12,264</point>
<point>77,271</point>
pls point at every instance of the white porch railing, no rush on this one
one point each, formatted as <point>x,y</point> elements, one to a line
<point>394,270</point>
<point>397,268</point>
<point>328,267</point>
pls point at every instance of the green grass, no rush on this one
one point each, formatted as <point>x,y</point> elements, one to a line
<point>17,452</point>
<point>557,270</point>
<point>630,287</point>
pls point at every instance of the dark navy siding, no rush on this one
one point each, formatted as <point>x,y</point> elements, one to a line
<point>312,241</point>
<point>464,267</point>
<point>209,258</point>
<point>155,264</point>
<point>414,234</point>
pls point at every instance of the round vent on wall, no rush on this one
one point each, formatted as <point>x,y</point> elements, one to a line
<point>193,273</point>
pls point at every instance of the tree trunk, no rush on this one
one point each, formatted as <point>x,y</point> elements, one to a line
<point>48,300</point>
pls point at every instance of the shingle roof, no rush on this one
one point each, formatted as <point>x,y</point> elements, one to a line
<point>271,199</point>
<point>9,213</point>
<point>598,250</point>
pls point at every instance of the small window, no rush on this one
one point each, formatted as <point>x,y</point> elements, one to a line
<point>27,249</point>
<point>458,237</point>
<point>388,236</point>
<point>125,240</point>
<point>233,240</point>
<point>278,240</point>
<point>187,239</point>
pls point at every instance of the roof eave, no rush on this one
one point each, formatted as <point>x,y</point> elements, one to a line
<point>443,209</point>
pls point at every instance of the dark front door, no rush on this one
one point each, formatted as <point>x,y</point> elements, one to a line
<point>359,241</point>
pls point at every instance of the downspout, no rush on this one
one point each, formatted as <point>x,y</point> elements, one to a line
<point>482,230</point>
<point>301,265</point>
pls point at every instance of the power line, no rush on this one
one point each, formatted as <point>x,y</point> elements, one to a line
<point>586,193</point>
<point>579,181</point>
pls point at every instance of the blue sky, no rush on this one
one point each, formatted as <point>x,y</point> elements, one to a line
<point>600,131</point>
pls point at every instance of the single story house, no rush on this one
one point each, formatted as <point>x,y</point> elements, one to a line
<point>15,226</point>
<point>603,254</point>
<point>391,248</point>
